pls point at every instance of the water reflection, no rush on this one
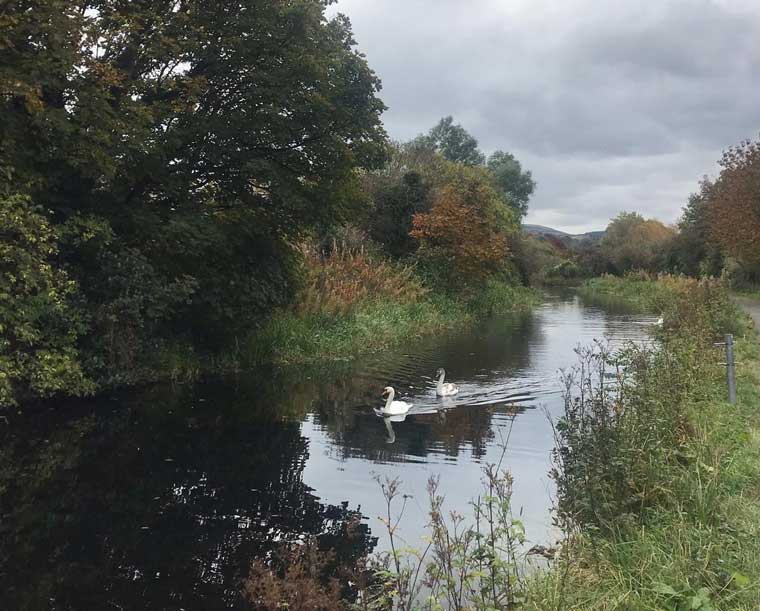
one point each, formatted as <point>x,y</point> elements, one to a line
<point>159,503</point>
<point>160,499</point>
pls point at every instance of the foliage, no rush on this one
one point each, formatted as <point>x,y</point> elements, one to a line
<point>469,563</point>
<point>179,149</point>
<point>457,145</point>
<point>545,260</point>
<point>302,586</point>
<point>466,233</point>
<point>345,277</point>
<point>308,576</point>
<point>693,251</point>
<point>370,325</point>
<point>264,107</point>
<point>682,301</point>
<point>40,314</point>
<point>452,141</point>
<point>632,242</point>
<point>734,208</point>
<point>499,297</point>
<point>510,179</point>
<point>395,198</point>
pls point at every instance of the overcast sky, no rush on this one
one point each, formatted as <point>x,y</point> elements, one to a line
<point>613,105</point>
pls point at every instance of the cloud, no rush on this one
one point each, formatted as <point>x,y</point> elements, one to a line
<point>613,106</point>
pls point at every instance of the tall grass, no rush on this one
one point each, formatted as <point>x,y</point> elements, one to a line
<point>356,302</point>
<point>657,475</point>
<point>348,276</point>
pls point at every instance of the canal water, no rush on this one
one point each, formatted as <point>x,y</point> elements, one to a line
<point>160,498</point>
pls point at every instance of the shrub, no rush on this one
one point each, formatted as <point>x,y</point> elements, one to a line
<point>40,321</point>
<point>626,413</point>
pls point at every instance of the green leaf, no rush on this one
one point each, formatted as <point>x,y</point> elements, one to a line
<point>664,589</point>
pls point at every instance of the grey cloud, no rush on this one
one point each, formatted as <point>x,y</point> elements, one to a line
<point>613,106</point>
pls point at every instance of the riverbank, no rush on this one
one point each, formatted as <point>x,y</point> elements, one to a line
<point>681,529</point>
<point>353,304</point>
<point>377,324</point>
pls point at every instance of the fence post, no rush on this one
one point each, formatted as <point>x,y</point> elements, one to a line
<point>730,369</point>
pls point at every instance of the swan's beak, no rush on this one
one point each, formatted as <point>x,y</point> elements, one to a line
<point>385,393</point>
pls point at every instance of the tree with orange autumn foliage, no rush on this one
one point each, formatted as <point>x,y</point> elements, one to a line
<point>734,206</point>
<point>465,234</point>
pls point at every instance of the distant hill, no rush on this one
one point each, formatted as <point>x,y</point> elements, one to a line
<point>542,230</point>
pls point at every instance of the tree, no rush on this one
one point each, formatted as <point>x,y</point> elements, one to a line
<point>452,141</point>
<point>232,103</point>
<point>204,138</point>
<point>693,251</point>
<point>509,178</point>
<point>734,204</point>
<point>395,200</point>
<point>632,242</point>
<point>457,145</point>
<point>465,235</point>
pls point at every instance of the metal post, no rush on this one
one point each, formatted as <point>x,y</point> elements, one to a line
<point>730,369</point>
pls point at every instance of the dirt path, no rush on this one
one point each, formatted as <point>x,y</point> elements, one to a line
<point>752,307</point>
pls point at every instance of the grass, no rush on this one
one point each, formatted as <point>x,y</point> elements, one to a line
<point>697,547</point>
<point>373,325</point>
<point>636,291</point>
<point>355,303</point>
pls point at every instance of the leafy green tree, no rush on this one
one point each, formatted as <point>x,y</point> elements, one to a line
<point>180,106</point>
<point>693,251</point>
<point>456,144</point>
<point>395,200</point>
<point>201,138</point>
<point>40,322</point>
<point>509,177</point>
<point>452,141</point>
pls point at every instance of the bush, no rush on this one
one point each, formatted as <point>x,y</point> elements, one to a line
<point>40,318</point>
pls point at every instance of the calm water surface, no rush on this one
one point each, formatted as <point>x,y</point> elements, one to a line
<point>160,499</point>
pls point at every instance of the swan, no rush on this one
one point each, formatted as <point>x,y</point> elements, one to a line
<point>447,389</point>
<point>393,408</point>
<point>660,321</point>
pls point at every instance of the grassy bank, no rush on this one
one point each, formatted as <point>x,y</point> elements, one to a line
<point>671,519</point>
<point>352,303</point>
<point>636,291</point>
<point>376,324</point>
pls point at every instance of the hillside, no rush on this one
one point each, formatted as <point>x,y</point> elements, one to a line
<point>543,230</point>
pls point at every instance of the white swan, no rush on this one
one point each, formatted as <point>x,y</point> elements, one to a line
<point>447,389</point>
<point>393,408</point>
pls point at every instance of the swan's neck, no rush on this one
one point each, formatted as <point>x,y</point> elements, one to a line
<point>440,379</point>
<point>391,394</point>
